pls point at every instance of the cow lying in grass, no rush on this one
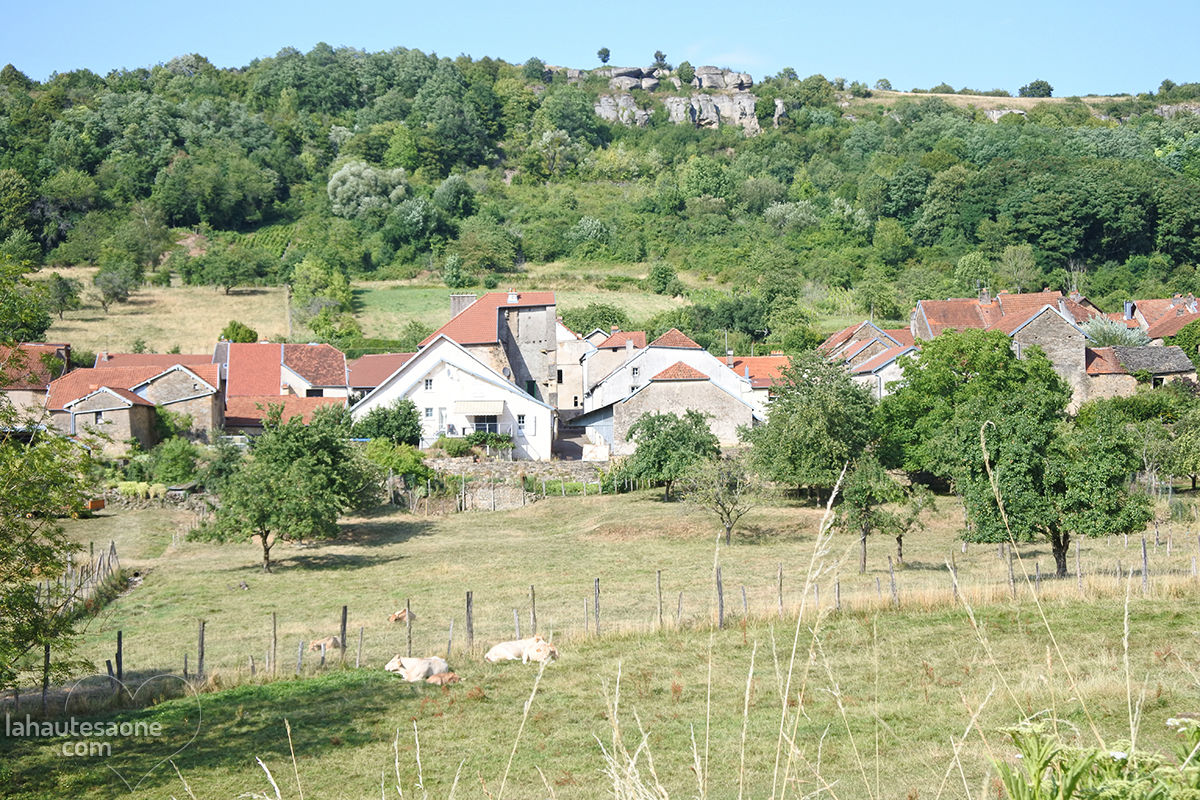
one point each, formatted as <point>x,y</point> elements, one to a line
<point>535,648</point>
<point>330,642</point>
<point>403,615</point>
<point>415,670</point>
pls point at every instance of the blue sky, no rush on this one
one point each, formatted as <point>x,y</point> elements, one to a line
<point>1080,48</point>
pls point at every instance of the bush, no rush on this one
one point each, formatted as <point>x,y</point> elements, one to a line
<point>455,448</point>
<point>498,441</point>
<point>174,461</point>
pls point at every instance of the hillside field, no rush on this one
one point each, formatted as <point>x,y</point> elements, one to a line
<point>876,695</point>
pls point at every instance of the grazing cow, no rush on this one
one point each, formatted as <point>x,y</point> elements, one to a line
<point>443,678</point>
<point>415,670</point>
<point>402,615</point>
<point>520,648</point>
<point>330,642</point>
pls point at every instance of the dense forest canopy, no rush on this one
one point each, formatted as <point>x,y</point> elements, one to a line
<point>321,167</point>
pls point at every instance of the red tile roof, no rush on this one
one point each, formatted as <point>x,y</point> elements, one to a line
<point>880,360</point>
<point>81,382</point>
<point>960,313</point>
<point>618,339</point>
<point>674,338</point>
<point>841,337</point>
<point>901,335</point>
<point>373,369</point>
<point>123,394</point>
<point>253,369</point>
<point>1102,361</point>
<point>478,323</point>
<point>680,371</point>
<point>764,370</point>
<point>1172,323</point>
<point>1010,323</point>
<point>163,360</point>
<point>24,367</point>
<point>245,410</point>
<point>319,364</point>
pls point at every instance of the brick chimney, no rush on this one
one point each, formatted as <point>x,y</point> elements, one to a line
<point>459,302</point>
<point>729,358</point>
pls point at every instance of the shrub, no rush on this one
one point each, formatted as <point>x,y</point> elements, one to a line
<point>455,448</point>
<point>174,461</point>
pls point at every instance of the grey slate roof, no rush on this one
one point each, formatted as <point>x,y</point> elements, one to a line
<point>1155,359</point>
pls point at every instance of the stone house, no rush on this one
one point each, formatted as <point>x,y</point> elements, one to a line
<point>114,414</point>
<point>573,349</point>
<point>26,371</point>
<point>883,369</point>
<point>611,351</point>
<point>676,389</point>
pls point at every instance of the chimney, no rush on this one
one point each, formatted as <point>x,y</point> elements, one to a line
<point>614,329</point>
<point>747,373</point>
<point>459,303</point>
<point>104,355</point>
<point>1128,309</point>
<point>729,358</point>
<point>628,346</point>
<point>512,295</point>
<point>985,296</point>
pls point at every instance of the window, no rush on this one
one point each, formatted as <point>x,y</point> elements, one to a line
<point>633,388</point>
<point>560,376</point>
<point>429,384</point>
<point>99,417</point>
<point>576,401</point>
<point>521,422</point>
<point>314,392</point>
<point>636,371</point>
<point>531,388</point>
<point>429,413</point>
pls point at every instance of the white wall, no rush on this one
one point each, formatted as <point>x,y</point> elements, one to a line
<point>652,360</point>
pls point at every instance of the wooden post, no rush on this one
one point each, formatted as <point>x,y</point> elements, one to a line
<point>562,484</point>
<point>1078,569</point>
<point>596,604</point>
<point>493,481</point>
<point>200,653</point>
<point>252,672</point>
<point>745,605</point>
<point>1037,578</point>
<point>658,586</point>
<point>1012,581</point>
<point>322,664</point>
<point>679,612</point>
<point>120,660</point>
<point>1193,566</point>
<point>532,611</point>
<point>781,590</point>
<point>470,623</point>
<point>878,589</point>
<point>274,641</point>
<point>720,601</point>
<point>299,656</point>
<point>342,636</point>
<point>450,639</point>
<point>837,594</point>
<point>1145,567</point>
<point>45,677</point>
<point>408,624</point>
<point>953,578</point>
<point>185,668</point>
<point>358,654</point>
<point>892,577</point>
<point>517,623</point>
<point>543,487</point>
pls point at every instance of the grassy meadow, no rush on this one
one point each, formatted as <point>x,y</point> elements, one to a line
<point>879,699</point>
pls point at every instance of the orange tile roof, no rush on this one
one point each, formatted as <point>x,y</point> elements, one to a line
<point>1154,307</point>
<point>1170,323</point>
<point>618,339</point>
<point>1102,361</point>
<point>163,360</point>
<point>373,369</point>
<point>959,313</point>
<point>319,364</point>
<point>123,394</point>
<point>245,410</point>
<point>675,338</point>
<point>81,382</point>
<point>841,337</point>
<point>680,371</point>
<point>901,336</point>
<point>478,323</point>
<point>764,370</point>
<point>253,369</point>
<point>24,365</point>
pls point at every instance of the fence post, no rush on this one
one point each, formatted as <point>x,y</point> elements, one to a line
<point>274,633</point>
<point>450,639</point>
<point>470,622</point>
<point>892,578</point>
<point>252,671</point>
<point>322,664</point>
<point>658,586</point>
<point>120,660</point>
<point>837,594</point>
<point>299,656</point>
<point>720,601</point>
<point>1145,567</point>
<point>1037,578</point>
<point>781,590</point>
<point>200,654</point>
<point>45,676</point>
<point>532,611</point>
<point>408,624</point>
<point>679,611</point>
<point>342,637</point>
<point>596,605</point>
<point>1012,580</point>
<point>745,605</point>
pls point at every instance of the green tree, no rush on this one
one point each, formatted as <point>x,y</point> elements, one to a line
<point>534,69</point>
<point>16,197</point>
<point>668,446</point>
<point>1188,339</point>
<point>973,272</point>
<point>1017,269</point>
<point>23,306</point>
<point>1038,88</point>
<point>883,85</point>
<point>595,315</point>
<point>724,487</point>
<point>296,482</point>
<point>866,494</point>
<point>603,54</point>
<point>892,242</point>
<point>62,294</point>
<point>685,72</point>
<point>455,196</point>
<point>1104,332</point>
<point>174,461</point>
<point>42,479</point>
<point>818,421</point>
<point>113,285</point>
<point>660,60</point>
<point>399,423</point>
<point>238,332</point>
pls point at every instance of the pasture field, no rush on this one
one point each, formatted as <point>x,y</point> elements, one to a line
<point>878,698</point>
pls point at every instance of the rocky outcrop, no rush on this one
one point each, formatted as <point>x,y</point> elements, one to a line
<point>621,108</point>
<point>1169,111</point>
<point>717,78</point>
<point>994,114</point>
<point>714,110</point>
<point>623,83</point>
<point>780,111</point>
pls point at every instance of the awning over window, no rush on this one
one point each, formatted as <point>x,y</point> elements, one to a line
<point>479,408</point>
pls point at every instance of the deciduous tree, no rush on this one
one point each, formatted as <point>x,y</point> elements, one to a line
<point>668,445</point>
<point>724,487</point>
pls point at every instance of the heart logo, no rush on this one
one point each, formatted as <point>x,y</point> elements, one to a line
<point>157,685</point>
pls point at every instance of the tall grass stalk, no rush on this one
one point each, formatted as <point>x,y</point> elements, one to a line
<point>520,728</point>
<point>745,722</point>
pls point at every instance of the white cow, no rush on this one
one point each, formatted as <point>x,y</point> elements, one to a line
<point>534,648</point>
<point>415,670</point>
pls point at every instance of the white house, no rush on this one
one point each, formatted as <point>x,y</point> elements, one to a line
<point>456,393</point>
<point>665,351</point>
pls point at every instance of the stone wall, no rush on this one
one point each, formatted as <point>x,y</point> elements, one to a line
<point>726,413</point>
<point>511,471</point>
<point>1063,344</point>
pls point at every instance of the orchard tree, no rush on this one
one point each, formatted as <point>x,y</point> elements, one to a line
<point>873,502</point>
<point>724,487</point>
<point>62,294</point>
<point>399,423</point>
<point>818,421</point>
<point>668,446</point>
<point>113,285</point>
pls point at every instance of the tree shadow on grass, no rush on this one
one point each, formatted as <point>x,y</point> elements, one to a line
<point>344,709</point>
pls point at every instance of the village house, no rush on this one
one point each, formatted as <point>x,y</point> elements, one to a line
<point>368,371</point>
<point>611,351</point>
<point>26,371</point>
<point>298,378</point>
<point>457,393</point>
<point>572,351</point>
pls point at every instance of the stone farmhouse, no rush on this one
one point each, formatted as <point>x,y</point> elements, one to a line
<point>29,369</point>
<point>1047,320</point>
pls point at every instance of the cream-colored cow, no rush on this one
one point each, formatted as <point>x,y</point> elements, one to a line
<point>534,648</point>
<point>330,642</point>
<point>403,615</point>
<point>415,670</point>
<point>443,678</point>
